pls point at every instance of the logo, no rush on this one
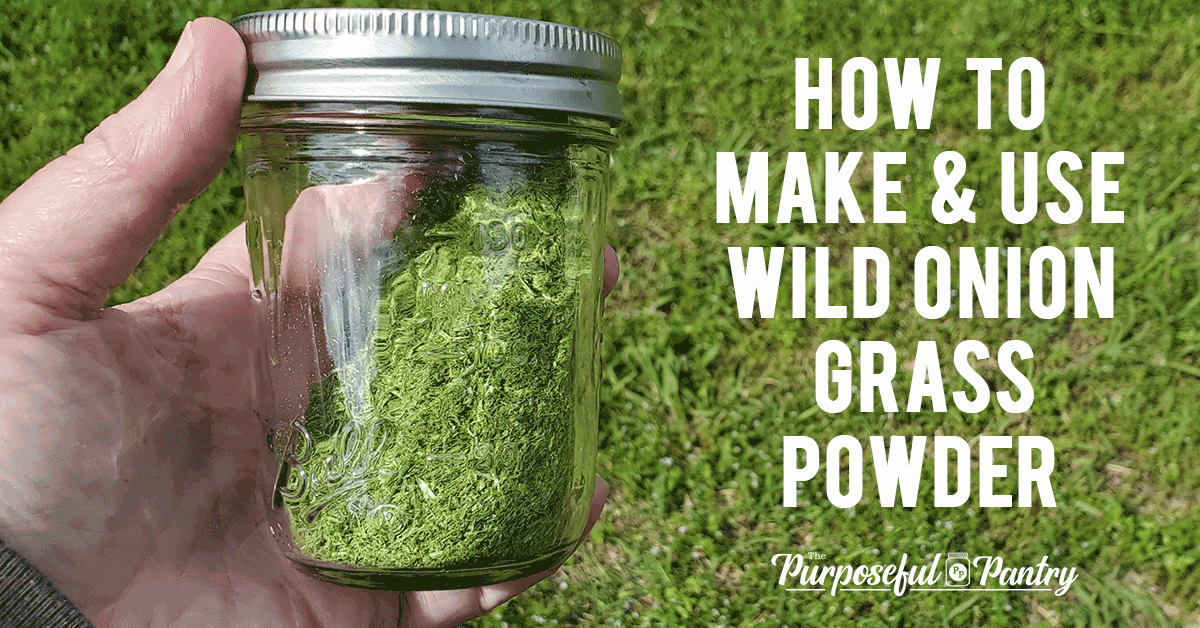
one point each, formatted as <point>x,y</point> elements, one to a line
<point>815,571</point>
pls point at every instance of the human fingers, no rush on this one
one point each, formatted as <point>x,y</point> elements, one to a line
<point>80,225</point>
<point>442,609</point>
<point>612,268</point>
<point>492,596</point>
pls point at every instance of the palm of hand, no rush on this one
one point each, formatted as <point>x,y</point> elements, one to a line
<point>138,488</point>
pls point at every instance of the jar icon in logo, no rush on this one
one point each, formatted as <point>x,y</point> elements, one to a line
<point>958,569</point>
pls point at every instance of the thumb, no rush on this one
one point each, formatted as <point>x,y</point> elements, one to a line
<point>80,225</point>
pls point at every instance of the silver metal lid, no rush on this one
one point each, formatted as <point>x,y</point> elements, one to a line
<point>430,57</point>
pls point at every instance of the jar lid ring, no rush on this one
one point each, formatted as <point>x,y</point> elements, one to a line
<point>430,58</point>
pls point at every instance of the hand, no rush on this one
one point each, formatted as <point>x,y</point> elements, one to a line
<point>129,468</point>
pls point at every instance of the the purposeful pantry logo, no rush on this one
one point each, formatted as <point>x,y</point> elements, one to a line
<point>809,572</point>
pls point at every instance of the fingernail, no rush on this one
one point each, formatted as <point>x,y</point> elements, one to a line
<point>183,50</point>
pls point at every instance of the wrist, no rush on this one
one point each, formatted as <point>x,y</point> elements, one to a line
<point>29,599</point>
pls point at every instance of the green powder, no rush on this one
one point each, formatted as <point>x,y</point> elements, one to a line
<point>464,452</point>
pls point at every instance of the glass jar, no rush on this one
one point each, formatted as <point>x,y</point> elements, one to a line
<point>425,206</point>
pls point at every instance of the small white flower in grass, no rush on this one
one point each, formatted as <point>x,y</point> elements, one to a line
<point>682,529</point>
<point>539,619</point>
<point>698,556</point>
<point>563,585</point>
<point>666,461</point>
<point>1008,608</point>
<point>655,550</point>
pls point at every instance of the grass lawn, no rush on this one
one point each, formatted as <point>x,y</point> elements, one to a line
<point>697,401</point>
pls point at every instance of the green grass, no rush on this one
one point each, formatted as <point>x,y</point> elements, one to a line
<point>696,401</point>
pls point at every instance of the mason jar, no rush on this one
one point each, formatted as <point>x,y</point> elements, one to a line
<point>425,205</point>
